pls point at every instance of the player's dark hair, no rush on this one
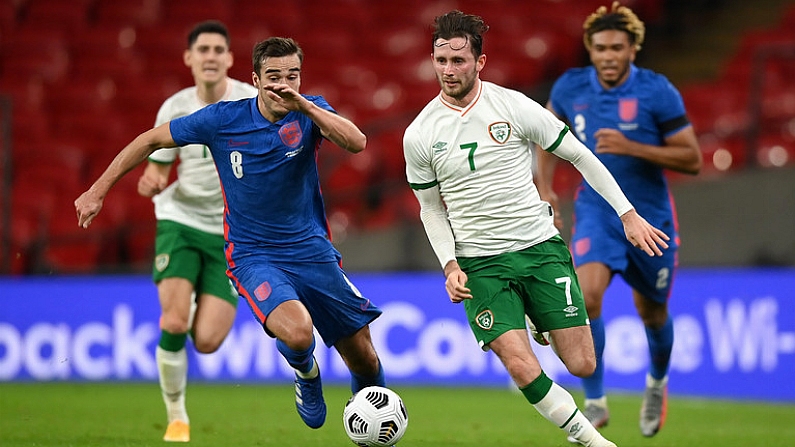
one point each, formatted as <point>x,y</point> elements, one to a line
<point>620,18</point>
<point>209,26</point>
<point>457,24</point>
<point>274,47</point>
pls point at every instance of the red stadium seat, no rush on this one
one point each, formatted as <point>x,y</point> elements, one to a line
<point>71,16</point>
<point>126,13</point>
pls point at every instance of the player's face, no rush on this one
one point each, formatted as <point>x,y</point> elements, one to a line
<point>278,70</point>
<point>209,58</point>
<point>456,69</point>
<point>611,53</point>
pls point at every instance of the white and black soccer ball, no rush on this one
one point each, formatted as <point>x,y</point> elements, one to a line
<point>375,417</point>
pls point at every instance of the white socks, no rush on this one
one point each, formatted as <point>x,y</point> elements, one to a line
<point>312,373</point>
<point>173,374</point>
<point>559,408</point>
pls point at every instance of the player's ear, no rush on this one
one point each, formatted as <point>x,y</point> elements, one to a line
<point>186,57</point>
<point>255,79</point>
<point>231,59</point>
<point>481,62</point>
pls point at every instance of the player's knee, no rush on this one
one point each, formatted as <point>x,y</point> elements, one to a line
<point>207,345</point>
<point>580,364</point>
<point>299,338</point>
<point>174,324</point>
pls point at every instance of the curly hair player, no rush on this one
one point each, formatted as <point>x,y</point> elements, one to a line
<point>634,121</point>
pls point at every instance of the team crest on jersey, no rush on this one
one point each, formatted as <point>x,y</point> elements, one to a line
<point>628,109</point>
<point>291,134</point>
<point>500,132</point>
<point>485,319</point>
<point>161,262</point>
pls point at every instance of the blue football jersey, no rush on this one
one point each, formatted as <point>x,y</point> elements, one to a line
<point>269,179</point>
<point>646,108</point>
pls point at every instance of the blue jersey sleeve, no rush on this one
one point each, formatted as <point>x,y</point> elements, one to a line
<point>196,128</point>
<point>669,108</point>
<point>557,97</point>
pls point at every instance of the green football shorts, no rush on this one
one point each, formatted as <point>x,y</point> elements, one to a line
<point>184,252</point>
<point>538,281</point>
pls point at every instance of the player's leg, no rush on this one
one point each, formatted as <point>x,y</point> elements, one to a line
<point>496,315</point>
<point>213,320</point>
<point>660,335</point>
<point>651,280</point>
<point>272,298</point>
<point>359,355</point>
<point>176,268</point>
<point>342,317</point>
<point>548,398</point>
<point>291,324</point>
<point>594,277</point>
<point>217,298</point>
<point>171,357</point>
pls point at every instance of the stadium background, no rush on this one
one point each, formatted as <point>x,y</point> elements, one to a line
<point>80,78</point>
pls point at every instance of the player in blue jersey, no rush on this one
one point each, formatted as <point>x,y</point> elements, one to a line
<point>635,122</point>
<point>278,249</point>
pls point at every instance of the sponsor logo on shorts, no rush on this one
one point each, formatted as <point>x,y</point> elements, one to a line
<point>262,292</point>
<point>571,311</point>
<point>500,132</point>
<point>485,319</point>
<point>582,246</point>
<point>161,261</point>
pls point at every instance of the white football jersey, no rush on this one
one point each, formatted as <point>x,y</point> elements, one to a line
<point>194,198</point>
<point>481,158</point>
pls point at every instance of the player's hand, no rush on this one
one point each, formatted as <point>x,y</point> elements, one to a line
<point>284,95</point>
<point>643,235</point>
<point>612,141</point>
<point>149,185</point>
<point>87,207</point>
<point>552,198</point>
<point>455,284</point>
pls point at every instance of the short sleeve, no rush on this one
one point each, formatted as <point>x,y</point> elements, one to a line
<point>196,128</point>
<point>669,109</point>
<point>419,172</point>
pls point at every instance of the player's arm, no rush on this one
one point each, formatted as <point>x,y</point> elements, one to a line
<point>341,131</point>
<point>89,203</point>
<point>642,234</point>
<point>154,179</point>
<point>680,152</point>
<point>544,177</point>
<point>433,215</point>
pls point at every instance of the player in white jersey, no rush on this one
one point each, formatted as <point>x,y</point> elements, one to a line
<point>189,267</point>
<point>469,161</point>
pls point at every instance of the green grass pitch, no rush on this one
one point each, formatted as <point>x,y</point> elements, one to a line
<point>131,415</point>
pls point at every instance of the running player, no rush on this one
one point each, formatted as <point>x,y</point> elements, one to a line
<point>634,121</point>
<point>278,249</point>
<point>189,266</point>
<point>469,161</point>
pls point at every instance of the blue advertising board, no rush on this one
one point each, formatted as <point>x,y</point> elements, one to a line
<point>735,335</point>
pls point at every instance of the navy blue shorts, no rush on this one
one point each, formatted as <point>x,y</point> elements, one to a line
<point>598,237</point>
<point>337,308</point>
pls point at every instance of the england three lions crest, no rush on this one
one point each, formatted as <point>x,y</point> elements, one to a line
<point>500,132</point>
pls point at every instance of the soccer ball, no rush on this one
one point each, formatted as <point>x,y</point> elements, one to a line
<point>375,417</point>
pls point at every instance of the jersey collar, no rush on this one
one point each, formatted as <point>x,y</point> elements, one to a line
<point>597,87</point>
